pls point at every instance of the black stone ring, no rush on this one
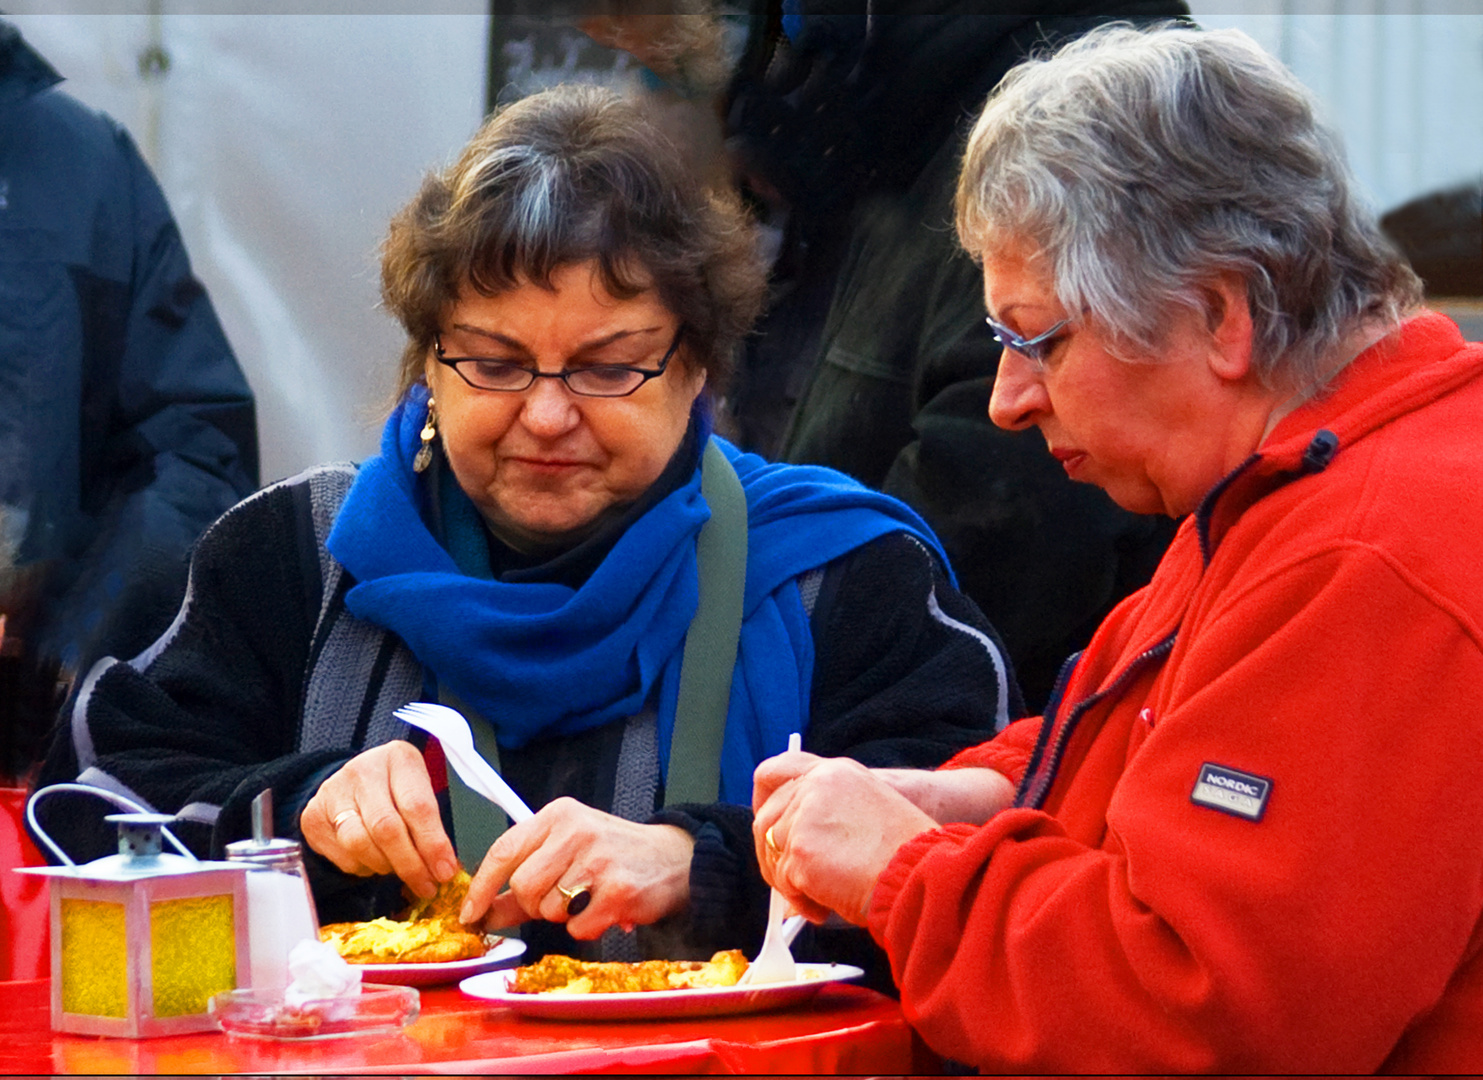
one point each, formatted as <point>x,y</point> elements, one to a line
<point>577,899</point>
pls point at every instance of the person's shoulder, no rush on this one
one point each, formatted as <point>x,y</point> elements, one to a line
<point>38,107</point>
<point>894,553</point>
<point>327,484</point>
<point>892,577</point>
<point>73,171</point>
<point>318,490</point>
<point>71,127</point>
<point>881,575</point>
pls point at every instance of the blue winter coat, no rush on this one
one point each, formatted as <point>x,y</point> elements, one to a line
<point>126,425</point>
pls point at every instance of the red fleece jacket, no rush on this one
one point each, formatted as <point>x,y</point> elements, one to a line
<point>1249,834</point>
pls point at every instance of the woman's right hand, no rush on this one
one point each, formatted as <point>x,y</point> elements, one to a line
<point>637,873</point>
<point>825,829</point>
<point>378,815</point>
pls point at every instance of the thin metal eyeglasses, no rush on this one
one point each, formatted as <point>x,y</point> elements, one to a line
<point>1032,349</point>
<point>600,380</point>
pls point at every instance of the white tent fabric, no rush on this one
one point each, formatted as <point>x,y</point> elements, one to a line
<point>286,141</point>
<point>1402,82</point>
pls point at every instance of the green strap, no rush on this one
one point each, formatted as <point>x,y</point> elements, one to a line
<point>694,774</point>
<point>477,822</point>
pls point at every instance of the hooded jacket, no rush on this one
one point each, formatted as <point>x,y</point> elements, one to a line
<point>126,426</point>
<point>1248,835</point>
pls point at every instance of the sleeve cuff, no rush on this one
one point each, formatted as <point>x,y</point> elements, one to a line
<point>727,893</point>
<point>893,878</point>
<point>1008,752</point>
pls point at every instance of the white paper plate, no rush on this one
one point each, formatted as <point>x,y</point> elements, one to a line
<point>503,954</point>
<point>660,1004</point>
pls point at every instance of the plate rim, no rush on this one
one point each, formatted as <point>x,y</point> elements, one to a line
<point>697,994</point>
<point>376,972</point>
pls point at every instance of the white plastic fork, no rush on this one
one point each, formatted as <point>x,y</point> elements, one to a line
<point>450,729</point>
<point>774,962</point>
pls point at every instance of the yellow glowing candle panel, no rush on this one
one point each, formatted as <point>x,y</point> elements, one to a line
<point>95,958</point>
<point>193,942</point>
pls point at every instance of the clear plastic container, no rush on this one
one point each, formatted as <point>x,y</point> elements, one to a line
<point>265,1014</point>
<point>280,907</point>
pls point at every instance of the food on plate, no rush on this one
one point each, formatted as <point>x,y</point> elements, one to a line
<point>443,904</point>
<point>563,975</point>
<point>416,941</point>
<point>428,932</point>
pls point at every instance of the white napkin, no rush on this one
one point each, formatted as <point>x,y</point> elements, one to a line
<point>318,971</point>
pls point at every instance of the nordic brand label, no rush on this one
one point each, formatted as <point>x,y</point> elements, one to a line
<point>1232,791</point>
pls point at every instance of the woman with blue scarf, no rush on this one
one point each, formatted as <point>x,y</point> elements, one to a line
<point>631,613</point>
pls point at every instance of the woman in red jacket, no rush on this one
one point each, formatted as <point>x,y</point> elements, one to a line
<point>1247,834</point>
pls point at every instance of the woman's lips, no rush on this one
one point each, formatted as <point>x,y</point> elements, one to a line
<point>548,465</point>
<point>1071,460</point>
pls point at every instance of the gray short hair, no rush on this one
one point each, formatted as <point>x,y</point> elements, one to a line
<point>572,174</point>
<point>1144,163</point>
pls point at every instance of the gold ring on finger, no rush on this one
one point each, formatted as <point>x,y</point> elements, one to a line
<point>341,818</point>
<point>577,898</point>
<point>772,841</point>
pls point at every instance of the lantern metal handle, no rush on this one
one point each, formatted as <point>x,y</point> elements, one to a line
<point>123,802</point>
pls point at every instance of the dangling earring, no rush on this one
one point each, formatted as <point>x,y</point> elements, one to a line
<point>424,456</point>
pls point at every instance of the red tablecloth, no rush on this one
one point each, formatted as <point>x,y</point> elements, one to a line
<point>845,1029</point>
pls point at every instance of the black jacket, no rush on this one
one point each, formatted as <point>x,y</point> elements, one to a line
<point>126,426</point>
<point>874,358</point>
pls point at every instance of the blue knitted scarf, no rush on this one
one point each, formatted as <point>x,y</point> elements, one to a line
<point>540,659</point>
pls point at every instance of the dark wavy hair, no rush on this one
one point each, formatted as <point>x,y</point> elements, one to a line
<point>572,174</point>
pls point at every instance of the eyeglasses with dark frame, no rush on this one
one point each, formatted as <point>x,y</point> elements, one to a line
<point>599,380</point>
<point>1033,349</point>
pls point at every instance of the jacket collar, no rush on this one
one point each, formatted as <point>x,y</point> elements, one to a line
<point>1422,360</point>
<point>23,70</point>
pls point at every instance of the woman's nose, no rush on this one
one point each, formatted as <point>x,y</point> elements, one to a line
<point>1019,393</point>
<point>549,408</point>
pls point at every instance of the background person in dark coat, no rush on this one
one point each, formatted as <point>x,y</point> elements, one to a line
<point>126,425</point>
<point>848,121</point>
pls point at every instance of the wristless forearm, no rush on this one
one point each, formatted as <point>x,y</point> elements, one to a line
<point>954,795</point>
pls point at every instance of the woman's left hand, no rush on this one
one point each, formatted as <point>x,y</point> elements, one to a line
<point>637,874</point>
